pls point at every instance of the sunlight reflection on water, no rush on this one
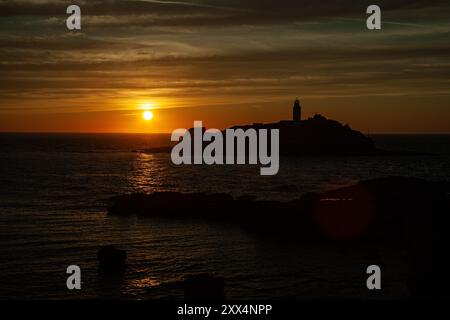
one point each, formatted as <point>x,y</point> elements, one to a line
<point>144,283</point>
<point>63,221</point>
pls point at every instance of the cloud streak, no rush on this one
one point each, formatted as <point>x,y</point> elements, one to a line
<point>208,53</point>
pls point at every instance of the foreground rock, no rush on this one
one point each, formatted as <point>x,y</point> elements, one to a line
<point>381,209</point>
<point>111,259</point>
<point>204,287</point>
<point>408,213</point>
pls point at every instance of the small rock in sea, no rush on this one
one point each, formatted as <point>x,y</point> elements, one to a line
<point>111,259</point>
<point>204,287</point>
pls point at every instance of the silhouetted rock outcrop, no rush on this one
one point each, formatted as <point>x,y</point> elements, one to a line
<point>375,209</point>
<point>204,287</point>
<point>111,259</point>
<point>406,212</point>
<point>318,136</point>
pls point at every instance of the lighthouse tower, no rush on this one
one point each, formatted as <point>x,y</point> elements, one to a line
<point>297,111</point>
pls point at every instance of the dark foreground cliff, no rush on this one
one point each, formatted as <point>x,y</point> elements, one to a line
<point>381,209</point>
<point>408,213</point>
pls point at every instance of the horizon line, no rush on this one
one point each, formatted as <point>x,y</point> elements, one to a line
<point>168,133</point>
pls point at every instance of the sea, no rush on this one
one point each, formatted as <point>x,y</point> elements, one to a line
<point>54,189</point>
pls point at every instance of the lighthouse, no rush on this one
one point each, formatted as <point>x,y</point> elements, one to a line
<point>297,111</point>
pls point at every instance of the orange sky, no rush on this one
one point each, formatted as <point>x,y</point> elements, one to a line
<point>399,116</point>
<point>227,64</point>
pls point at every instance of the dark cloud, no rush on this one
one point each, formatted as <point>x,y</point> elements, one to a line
<point>226,11</point>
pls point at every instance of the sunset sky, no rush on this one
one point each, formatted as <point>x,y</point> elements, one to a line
<point>224,62</point>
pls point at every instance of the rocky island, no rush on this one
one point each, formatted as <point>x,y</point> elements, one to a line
<point>315,136</point>
<point>318,136</point>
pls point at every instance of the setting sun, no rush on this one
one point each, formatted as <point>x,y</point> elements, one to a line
<point>148,115</point>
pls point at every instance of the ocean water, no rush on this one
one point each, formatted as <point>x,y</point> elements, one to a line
<point>53,190</point>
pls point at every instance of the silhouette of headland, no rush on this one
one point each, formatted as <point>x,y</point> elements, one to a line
<point>315,136</point>
<point>408,213</point>
<point>204,287</point>
<point>111,259</point>
<point>377,209</point>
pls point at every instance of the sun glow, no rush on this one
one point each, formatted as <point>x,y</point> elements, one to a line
<point>147,105</point>
<point>147,115</point>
